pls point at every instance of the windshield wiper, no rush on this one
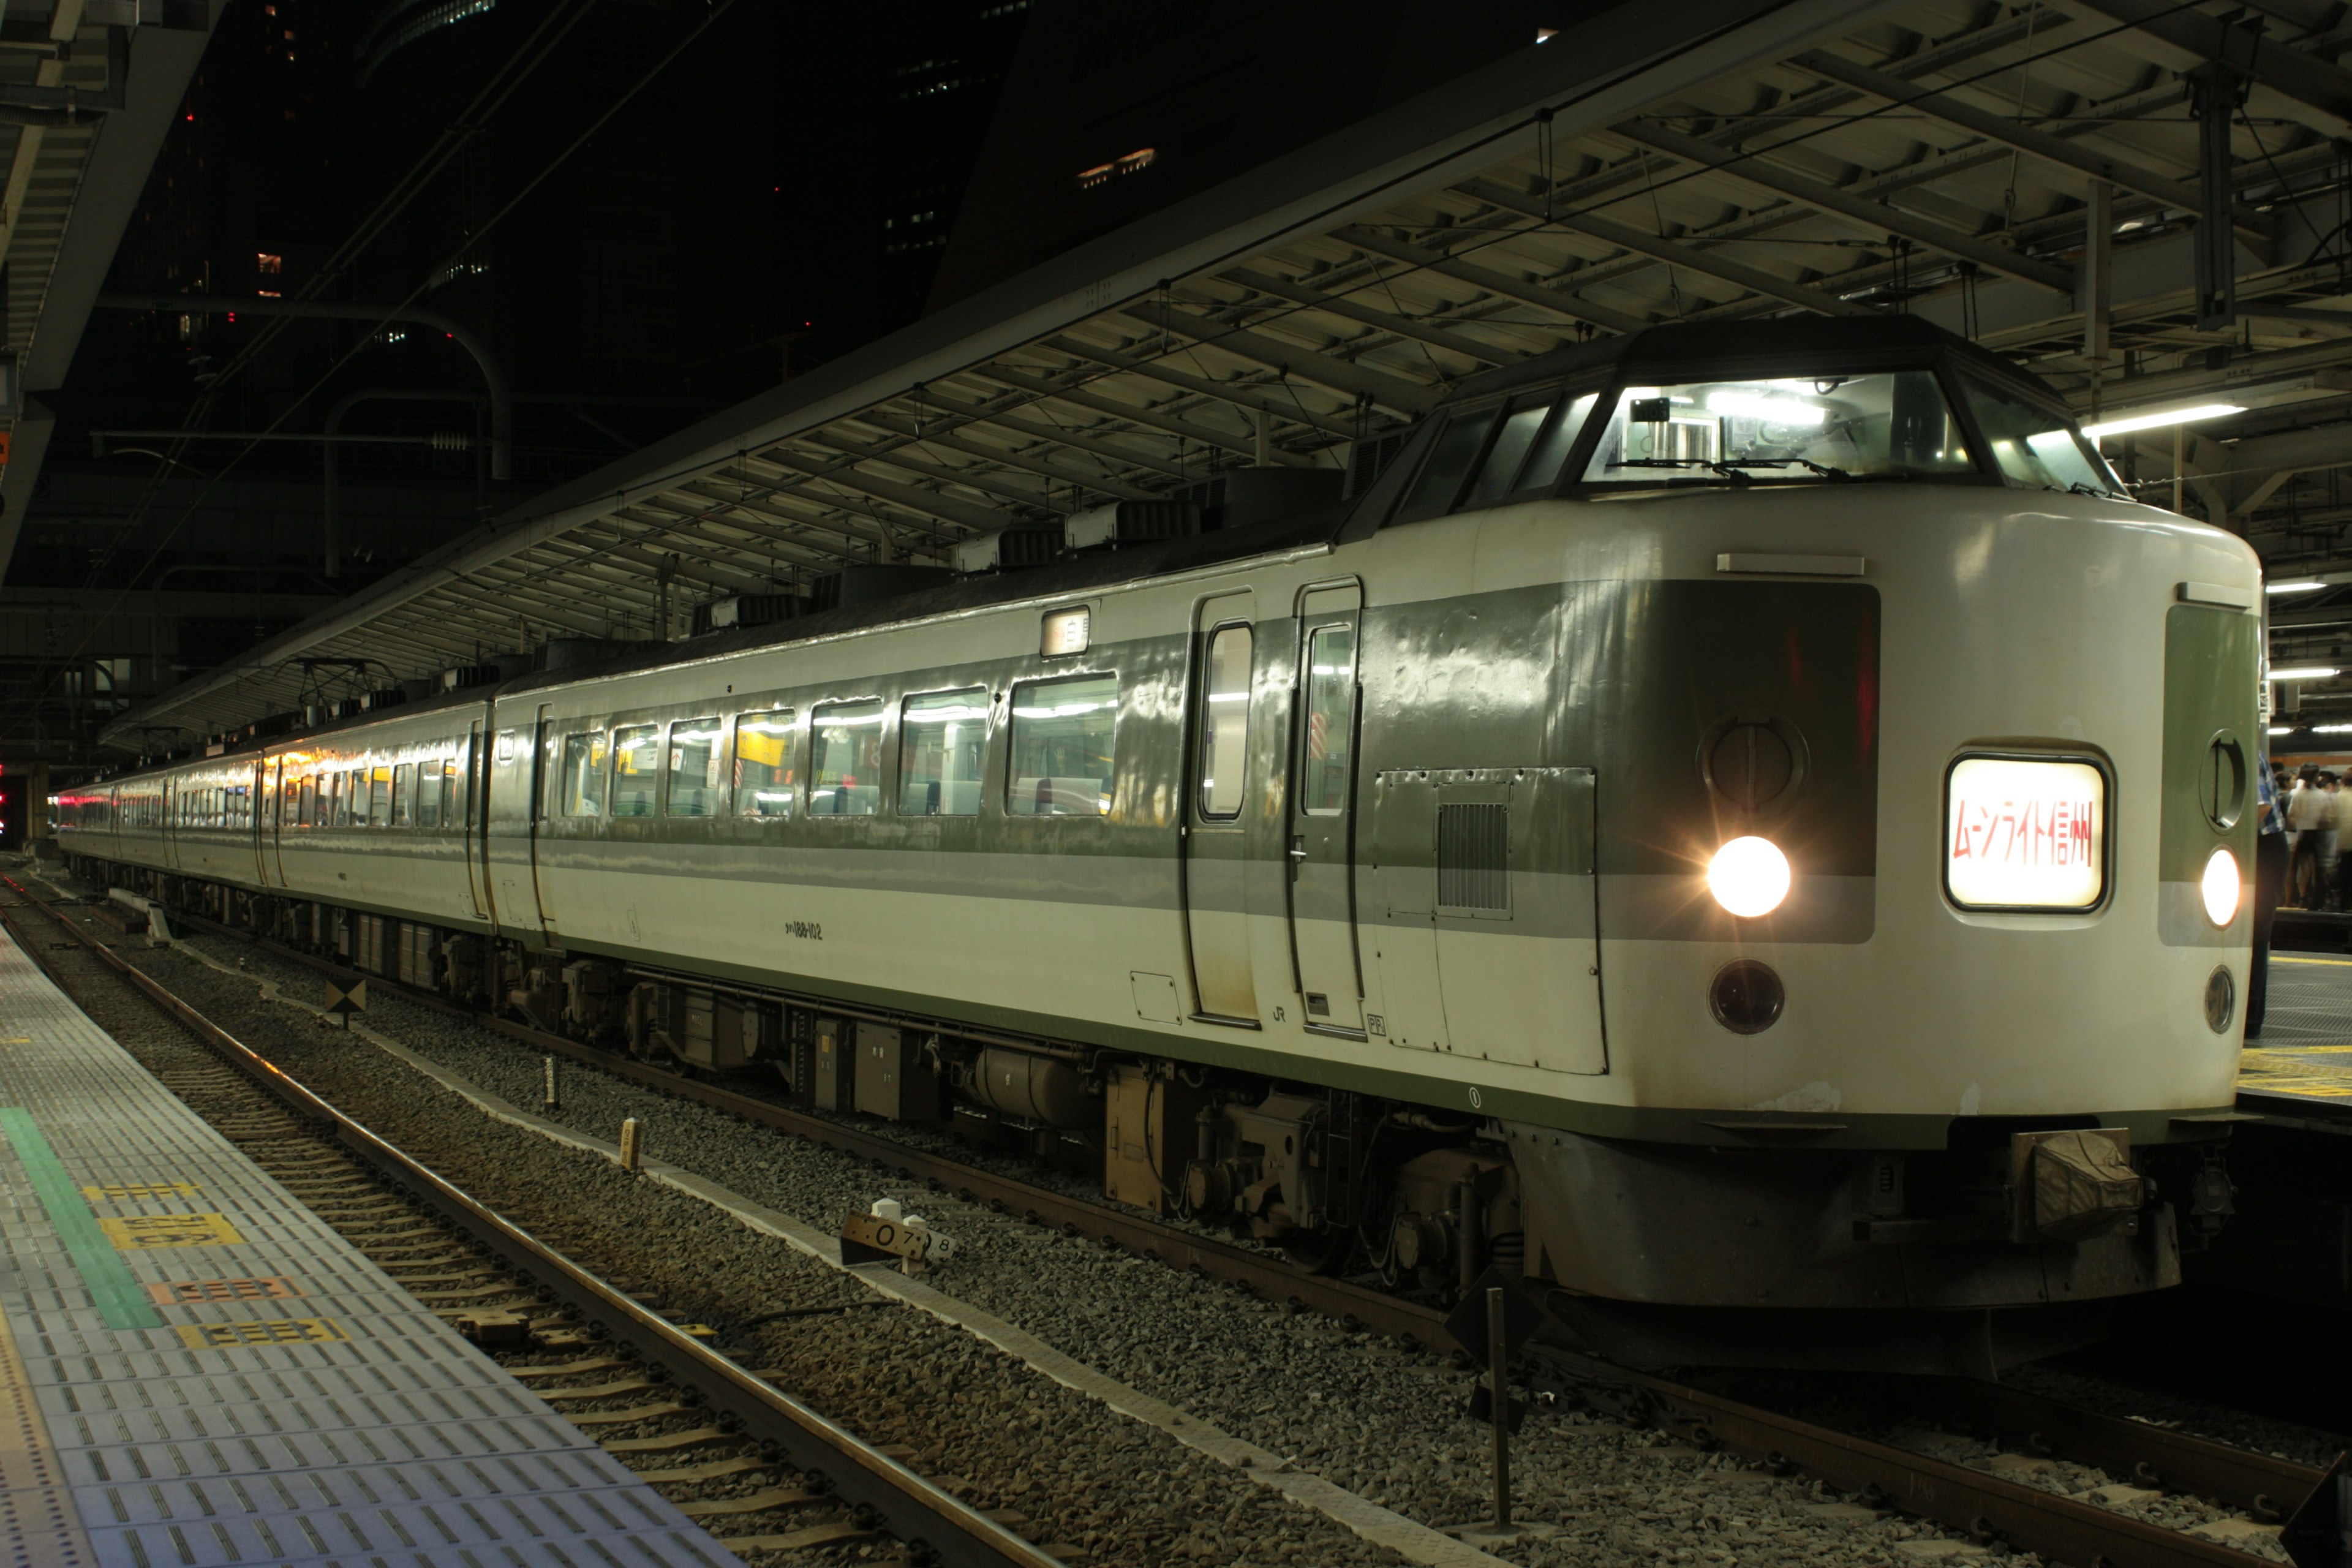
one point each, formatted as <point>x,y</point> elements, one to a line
<point>1733,469</point>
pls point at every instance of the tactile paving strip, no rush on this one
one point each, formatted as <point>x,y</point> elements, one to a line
<point>287,1403</point>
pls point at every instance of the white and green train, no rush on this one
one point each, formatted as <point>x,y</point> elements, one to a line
<point>1745,829</point>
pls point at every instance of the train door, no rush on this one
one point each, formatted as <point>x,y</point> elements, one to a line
<point>273,796</point>
<point>1322,832</point>
<point>543,773</point>
<point>1216,864</point>
<point>510,807</point>
<point>476,821</point>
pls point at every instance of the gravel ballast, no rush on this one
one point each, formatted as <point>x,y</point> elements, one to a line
<point>1368,1415</point>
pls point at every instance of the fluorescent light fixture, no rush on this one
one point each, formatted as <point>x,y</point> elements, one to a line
<point>2300,586</point>
<point>1770,410</point>
<point>2131,422</point>
<point>2332,729</point>
<point>2281,728</point>
<point>2304,672</point>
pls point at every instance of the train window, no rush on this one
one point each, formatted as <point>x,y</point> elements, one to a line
<point>1794,430</point>
<point>637,770</point>
<point>380,796</point>
<point>694,757</point>
<point>845,759</point>
<point>2033,446</point>
<point>1224,721</point>
<point>1449,462</point>
<point>582,780</point>
<point>432,784</point>
<point>1330,719</point>
<point>450,803</point>
<point>403,794</point>
<point>1551,451</point>
<point>1062,746</point>
<point>940,736</point>
<point>764,764</point>
<point>1509,450</point>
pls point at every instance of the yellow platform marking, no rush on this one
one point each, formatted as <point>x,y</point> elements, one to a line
<point>275,1332</point>
<point>41,1499</point>
<point>195,1293</point>
<point>171,1230</point>
<point>2299,958</point>
<point>17,1040</point>
<point>118,1191</point>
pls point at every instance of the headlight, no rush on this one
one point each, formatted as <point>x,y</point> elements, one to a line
<point>2220,887</point>
<point>1750,877</point>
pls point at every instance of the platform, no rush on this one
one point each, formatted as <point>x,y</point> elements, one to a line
<point>2304,1050</point>
<point>195,1370</point>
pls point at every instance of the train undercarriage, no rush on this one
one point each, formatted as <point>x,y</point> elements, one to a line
<point>2005,1245</point>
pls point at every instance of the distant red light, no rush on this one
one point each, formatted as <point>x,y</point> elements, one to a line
<point>192,119</point>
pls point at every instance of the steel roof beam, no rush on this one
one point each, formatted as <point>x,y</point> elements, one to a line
<point>1321,367</point>
<point>2025,138</point>
<point>1089,440</point>
<point>1235,395</point>
<point>1707,263</point>
<point>1348,309</point>
<point>782,483</point>
<point>1877,217</point>
<point>1500,284</point>
<point>914,498</point>
<point>815,554</point>
<point>1078,396</point>
<point>828,522</point>
<point>2300,77</point>
<point>1027,463</point>
<point>941,471</point>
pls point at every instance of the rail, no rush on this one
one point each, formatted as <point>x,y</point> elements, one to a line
<point>909,1506</point>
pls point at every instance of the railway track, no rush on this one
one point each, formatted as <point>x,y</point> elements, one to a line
<point>1987,1507</point>
<point>633,1364</point>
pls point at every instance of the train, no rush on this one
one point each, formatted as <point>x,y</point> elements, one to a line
<point>1743,832</point>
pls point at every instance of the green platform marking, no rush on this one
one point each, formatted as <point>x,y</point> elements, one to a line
<point>119,1300</point>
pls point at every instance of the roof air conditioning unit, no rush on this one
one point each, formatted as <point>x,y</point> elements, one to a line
<point>1239,498</point>
<point>1129,522</point>
<point>1014,548</point>
<point>749,610</point>
<point>465,675</point>
<point>1369,458</point>
<point>853,586</point>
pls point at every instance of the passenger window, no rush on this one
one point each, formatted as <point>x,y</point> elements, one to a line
<point>636,769</point>
<point>694,747</point>
<point>429,785</point>
<point>940,736</point>
<point>581,781</point>
<point>764,764</point>
<point>1449,461</point>
<point>403,794</point>
<point>2033,446</point>
<point>1224,721</point>
<point>1062,747</point>
<point>1330,719</point>
<point>380,796</point>
<point>1503,459</point>
<point>1551,451</point>
<point>845,759</point>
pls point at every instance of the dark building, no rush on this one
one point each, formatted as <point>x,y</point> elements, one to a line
<point>1113,112</point>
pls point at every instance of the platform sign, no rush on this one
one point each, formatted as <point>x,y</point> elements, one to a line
<point>343,1004</point>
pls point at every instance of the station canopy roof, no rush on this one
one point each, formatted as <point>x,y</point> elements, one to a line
<point>1717,160</point>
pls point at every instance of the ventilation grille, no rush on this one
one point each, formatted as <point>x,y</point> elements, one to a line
<point>1473,868</point>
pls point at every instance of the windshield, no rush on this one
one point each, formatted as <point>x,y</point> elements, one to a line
<point>1808,429</point>
<point>2035,448</point>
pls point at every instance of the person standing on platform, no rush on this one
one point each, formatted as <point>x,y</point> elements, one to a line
<point>2324,841</point>
<point>2304,808</point>
<point>2270,854</point>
